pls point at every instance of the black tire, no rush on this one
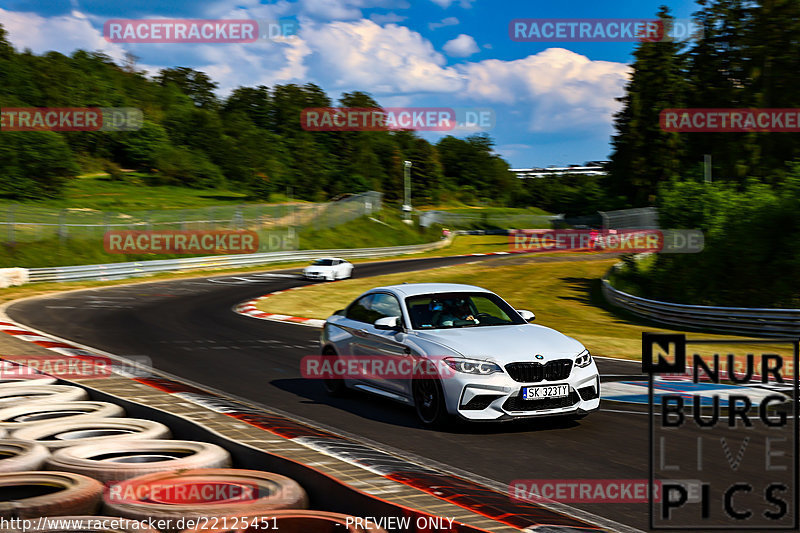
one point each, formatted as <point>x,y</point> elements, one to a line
<point>267,492</point>
<point>29,414</point>
<point>20,393</point>
<point>35,494</point>
<point>21,455</point>
<point>334,386</point>
<point>62,434</point>
<point>110,462</point>
<point>429,402</point>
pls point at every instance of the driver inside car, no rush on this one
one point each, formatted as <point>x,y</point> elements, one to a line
<point>452,313</point>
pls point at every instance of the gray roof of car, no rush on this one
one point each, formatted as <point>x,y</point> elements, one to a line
<point>414,289</point>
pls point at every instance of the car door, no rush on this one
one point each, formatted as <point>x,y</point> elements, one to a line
<point>388,344</point>
<point>337,269</point>
<point>356,320</point>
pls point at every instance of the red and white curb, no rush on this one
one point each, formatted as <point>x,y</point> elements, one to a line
<point>249,308</point>
<point>39,339</point>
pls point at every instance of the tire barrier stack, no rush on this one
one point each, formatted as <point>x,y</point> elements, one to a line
<point>68,463</point>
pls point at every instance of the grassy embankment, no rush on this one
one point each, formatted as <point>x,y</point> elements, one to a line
<point>95,194</point>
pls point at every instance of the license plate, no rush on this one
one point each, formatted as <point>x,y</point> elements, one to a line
<point>547,391</point>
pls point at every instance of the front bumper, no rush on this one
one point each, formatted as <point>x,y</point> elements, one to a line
<point>315,275</point>
<point>499,397</point>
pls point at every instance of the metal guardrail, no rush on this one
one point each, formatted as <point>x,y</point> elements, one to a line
<point>756,322</point>
<point>113,271</point>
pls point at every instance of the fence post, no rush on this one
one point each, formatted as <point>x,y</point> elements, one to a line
<point>11,209</point>
<point>62,229</point>
<point>237,218</point>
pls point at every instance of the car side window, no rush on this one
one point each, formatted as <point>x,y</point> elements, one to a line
<point>360,309</point>
<point>385,305</point>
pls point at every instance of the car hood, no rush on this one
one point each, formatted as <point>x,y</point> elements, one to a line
<point>506,344</point>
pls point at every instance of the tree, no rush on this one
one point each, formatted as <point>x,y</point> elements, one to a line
<point>643,154</point>
<point>718,77</point>
<point>34,164</point>
<point>197,85</point>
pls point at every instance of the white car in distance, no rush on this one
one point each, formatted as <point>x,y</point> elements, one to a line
<point>329,269</point>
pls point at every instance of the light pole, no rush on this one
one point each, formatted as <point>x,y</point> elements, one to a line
<point>407,192</point>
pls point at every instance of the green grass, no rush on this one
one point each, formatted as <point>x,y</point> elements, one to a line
<point>381,229</point>
<point>564,295</point>
<point>628,279</point>
<point>359,233</point>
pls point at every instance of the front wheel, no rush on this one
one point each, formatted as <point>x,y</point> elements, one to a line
<point>429,402</point>
<point>333,386</point>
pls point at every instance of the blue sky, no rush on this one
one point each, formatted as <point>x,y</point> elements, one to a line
<point>553,101</point>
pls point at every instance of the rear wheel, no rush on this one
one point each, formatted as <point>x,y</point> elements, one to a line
<point>333,386</point>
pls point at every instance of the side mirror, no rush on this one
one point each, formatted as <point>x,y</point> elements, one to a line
<point>388,323</point>
<point>527,316</point>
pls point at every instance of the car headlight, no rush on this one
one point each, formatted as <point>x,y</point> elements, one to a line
<point>584,359</point>
<point>472,366</point>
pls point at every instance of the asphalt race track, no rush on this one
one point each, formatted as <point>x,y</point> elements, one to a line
<point>187,328</point>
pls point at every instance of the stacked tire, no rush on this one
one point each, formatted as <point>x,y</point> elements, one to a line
<point>64,455</point>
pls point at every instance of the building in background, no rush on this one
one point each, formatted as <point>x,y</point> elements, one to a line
<point>590,168</point>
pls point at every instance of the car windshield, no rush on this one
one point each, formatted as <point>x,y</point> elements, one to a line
<point>460,310</point>
<point>323,262</point>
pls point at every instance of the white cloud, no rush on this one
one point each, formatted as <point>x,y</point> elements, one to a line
<point>65,33</point>
<point>345,9</point>
<point>388,59</point>
<point>448,21</point>
<point>466,4</point>
<point>331,9</point>
<point>511,151</point>
<point>251,64</point>
<point>388,18</point>
<point>560,86</point>
<point>553,90</point>
<point>462,46</point>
